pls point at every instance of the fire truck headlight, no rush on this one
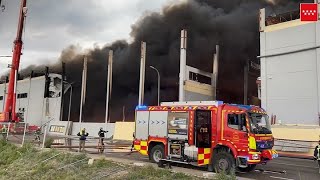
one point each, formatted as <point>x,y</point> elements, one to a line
<point>255,156</point>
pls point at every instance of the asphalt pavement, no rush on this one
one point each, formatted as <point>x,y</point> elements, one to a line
<point>281,168</point>
<point>286,169</point>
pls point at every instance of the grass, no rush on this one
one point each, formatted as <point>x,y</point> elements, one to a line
<point>48,142</point>
<point>149,172</point>
<point>224,176</point>
<point>27,163</point>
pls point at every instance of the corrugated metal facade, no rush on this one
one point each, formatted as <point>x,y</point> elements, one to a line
<point>290,67</point>
<point>37,102</point>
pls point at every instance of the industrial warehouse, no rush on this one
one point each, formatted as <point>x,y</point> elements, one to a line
<point>200,88</point>
<point>34,101</point>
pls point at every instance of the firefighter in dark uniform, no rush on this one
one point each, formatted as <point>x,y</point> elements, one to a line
<point>101,135</point>
<point>316,155</point>
<point>37,134</point>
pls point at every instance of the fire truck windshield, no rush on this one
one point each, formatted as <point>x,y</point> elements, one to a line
<point>259,123</point>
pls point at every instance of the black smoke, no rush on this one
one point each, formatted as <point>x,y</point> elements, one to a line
<point>233,24</point>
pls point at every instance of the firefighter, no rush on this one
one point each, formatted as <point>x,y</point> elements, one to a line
<point>133,135</point>
<point>101,138</point>
<point>37,134</point>
<point>82,140</point>
<point>316,154</point>
<point>101,135</point>
<point>4,132</point>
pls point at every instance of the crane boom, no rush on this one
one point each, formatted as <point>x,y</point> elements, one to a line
<point>10,106</point>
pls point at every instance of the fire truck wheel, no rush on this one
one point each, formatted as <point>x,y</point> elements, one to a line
<point>250,168</point>
<point>157,153</point>
<point>223,162</point>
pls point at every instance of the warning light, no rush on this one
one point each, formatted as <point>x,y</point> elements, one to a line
<point>142,107</point>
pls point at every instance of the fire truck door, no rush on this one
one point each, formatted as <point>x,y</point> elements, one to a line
<point>203,129</point>
<point>236,131</point>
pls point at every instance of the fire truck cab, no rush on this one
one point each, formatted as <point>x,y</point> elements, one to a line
<point>205,133</point>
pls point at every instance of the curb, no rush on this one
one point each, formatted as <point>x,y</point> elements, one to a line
<point>294,155</point>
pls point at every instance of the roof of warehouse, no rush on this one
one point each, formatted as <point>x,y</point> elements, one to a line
<point>283,17</point>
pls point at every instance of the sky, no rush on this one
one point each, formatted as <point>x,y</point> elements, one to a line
<point>53,25</point>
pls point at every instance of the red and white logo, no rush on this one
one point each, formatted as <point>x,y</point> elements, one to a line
<point>308,12</point>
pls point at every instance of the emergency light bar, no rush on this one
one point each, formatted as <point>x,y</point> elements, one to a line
<point>192,103</point>
<point>142,107</point>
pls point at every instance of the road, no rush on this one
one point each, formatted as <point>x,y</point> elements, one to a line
<point>286,169</point>
<point>281,168</point>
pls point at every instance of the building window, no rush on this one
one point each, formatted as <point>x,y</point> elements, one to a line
<point>192,76</point>
<point>204,79</point>
<point>1,98</point>
<point>23,95</point>
<point>199,78</point>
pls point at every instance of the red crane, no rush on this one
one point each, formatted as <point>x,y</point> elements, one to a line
<point>9,113</point>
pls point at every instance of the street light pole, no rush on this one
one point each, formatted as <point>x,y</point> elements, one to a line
<point>158,83</point>
<point>70,101</point>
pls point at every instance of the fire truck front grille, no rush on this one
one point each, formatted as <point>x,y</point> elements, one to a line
<point>264,145</point>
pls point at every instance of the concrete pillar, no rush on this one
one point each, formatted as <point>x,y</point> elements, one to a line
<point>215,71</point>
<point>83,88</point>
<point>183,64</point>
<point>142,72</point>
<point>110,60</point>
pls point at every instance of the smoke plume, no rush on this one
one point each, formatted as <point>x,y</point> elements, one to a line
<point>233,24</point>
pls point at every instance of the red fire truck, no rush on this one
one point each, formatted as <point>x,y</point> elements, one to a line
<point>205,133</point>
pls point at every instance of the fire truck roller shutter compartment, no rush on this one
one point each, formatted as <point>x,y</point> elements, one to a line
<point>158,123</point>
<point>142,125</point>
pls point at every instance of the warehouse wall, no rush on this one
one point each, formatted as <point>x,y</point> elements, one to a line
<point>93,128</point>
<point>37,102</point>
<point>195,91</point>
<point>290,82</point>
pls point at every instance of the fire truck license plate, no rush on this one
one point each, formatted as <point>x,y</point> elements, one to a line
<point>274,155</point>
